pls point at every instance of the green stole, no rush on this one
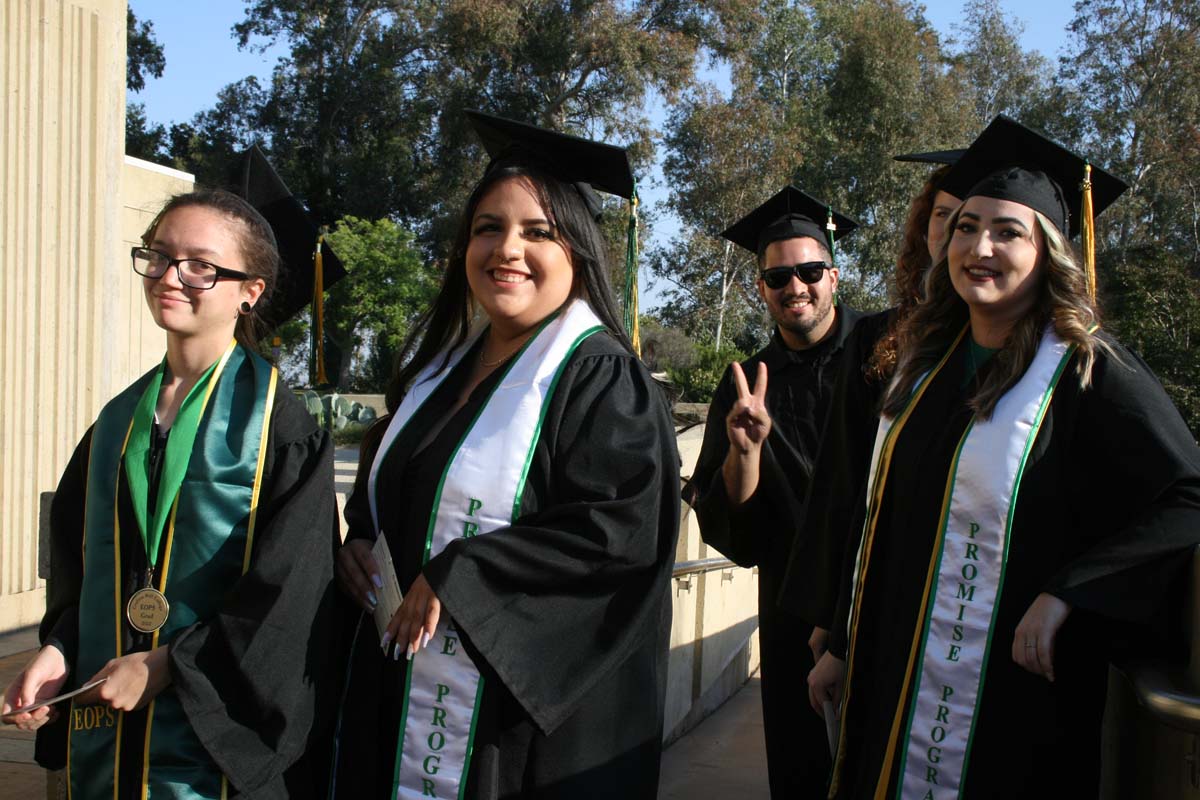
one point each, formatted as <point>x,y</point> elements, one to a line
<point>215,512</point>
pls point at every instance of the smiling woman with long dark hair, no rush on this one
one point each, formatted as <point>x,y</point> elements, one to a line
<point>525,485</point>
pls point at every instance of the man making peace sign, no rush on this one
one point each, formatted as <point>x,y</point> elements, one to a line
<point>760,443</point>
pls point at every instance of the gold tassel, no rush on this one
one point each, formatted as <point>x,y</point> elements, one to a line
<point>319,311</point>
<point>1088,231</point>
<point>631,277</point>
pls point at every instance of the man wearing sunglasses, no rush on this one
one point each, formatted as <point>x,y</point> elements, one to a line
<point>760,442</point>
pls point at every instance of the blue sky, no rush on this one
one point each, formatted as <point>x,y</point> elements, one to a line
<point>202,57</point>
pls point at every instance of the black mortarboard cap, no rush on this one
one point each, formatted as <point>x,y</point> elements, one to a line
<point>586,164</point>
<point>257,182</point>
<point>1011,162</point>
<point>789,214</point>
<point>932,157</point>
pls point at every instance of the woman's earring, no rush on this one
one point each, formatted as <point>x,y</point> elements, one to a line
<point>245,307</point>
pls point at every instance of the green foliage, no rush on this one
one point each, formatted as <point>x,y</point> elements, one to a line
<point>665,348</point>
<point>143,140</point>
<point>698,381</point>
<point>143,54</point>
<point>1154,308</point>
<point>1133,66</point>
<point>370,311</point>
<point>824,94</point>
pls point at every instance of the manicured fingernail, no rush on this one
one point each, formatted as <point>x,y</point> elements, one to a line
<point>425,637</point>
<point>371,597</point>
<point>378,581</point>
<point>410,651</point>
<point>396,652</point>
<point>383,643</point>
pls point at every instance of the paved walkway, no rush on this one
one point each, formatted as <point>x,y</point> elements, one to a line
<point>721,757</point>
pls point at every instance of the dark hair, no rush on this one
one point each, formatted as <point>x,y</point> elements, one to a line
<point>911,266</point>
<point>445,324</point>
<point>260,255</point>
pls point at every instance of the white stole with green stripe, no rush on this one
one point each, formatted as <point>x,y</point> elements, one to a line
<point>972,541</point>
<point>480,492</point>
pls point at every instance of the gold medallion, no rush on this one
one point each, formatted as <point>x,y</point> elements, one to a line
<point>147,610</point>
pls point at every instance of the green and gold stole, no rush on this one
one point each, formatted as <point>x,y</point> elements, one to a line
<point>209,528</point>
<point>947,662</point>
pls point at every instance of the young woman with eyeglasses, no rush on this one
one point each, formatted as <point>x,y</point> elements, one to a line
<point>191,546</point>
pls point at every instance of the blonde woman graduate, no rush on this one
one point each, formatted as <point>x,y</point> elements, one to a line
<point>1032,502</point>
<point>191,546</point>
<point>526,490</point>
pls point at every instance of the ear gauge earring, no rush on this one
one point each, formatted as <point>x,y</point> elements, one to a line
<point>245,307</point>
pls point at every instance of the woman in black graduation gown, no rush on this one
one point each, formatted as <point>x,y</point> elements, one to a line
<point>558,601</point>
<point>209,497</point>
<point>1033,493</point>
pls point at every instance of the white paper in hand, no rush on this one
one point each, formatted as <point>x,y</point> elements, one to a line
<point>831,726</point>
<point>388,595</point>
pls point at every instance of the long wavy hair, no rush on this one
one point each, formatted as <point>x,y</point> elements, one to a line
<point>931,328</point>
<point>445,325</point>
<point>911,265</point>
<point>260,255</point>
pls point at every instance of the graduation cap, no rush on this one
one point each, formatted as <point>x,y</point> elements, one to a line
<point>949,157</point>
<point>295,235</point>
<point>586,164</point>
<point>1011,162</point>
<point>790,214</point>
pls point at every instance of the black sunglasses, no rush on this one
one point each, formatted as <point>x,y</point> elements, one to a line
<point>809,272</point>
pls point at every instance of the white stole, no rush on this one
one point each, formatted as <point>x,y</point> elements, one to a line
<point>480,491</point>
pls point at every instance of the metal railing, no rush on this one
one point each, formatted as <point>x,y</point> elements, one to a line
<point>700,566</point>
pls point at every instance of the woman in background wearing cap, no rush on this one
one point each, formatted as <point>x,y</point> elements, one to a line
<point>832,509</point>
<point>1033,492</point>
<point>196,578</point>
<point>526,488</point>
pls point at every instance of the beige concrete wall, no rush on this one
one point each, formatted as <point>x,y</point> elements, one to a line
<point>714,630</point>
<point>73,326</point>
<point>137,343</point>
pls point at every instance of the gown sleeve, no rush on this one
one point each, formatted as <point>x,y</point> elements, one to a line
<point>60,624</point>
<point>555,602</point>
<point>249,679</point>
<point>1136,476</point>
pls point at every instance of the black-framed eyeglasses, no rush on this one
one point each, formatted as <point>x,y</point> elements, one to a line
<point>808,272</point>
<point>193,272</point>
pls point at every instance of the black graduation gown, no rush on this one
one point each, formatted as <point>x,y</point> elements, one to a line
<point>833,508</point>
<point>249,679</point>
<point>566,613</point>
<point>761,533</point>
<point>1107,513</point>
